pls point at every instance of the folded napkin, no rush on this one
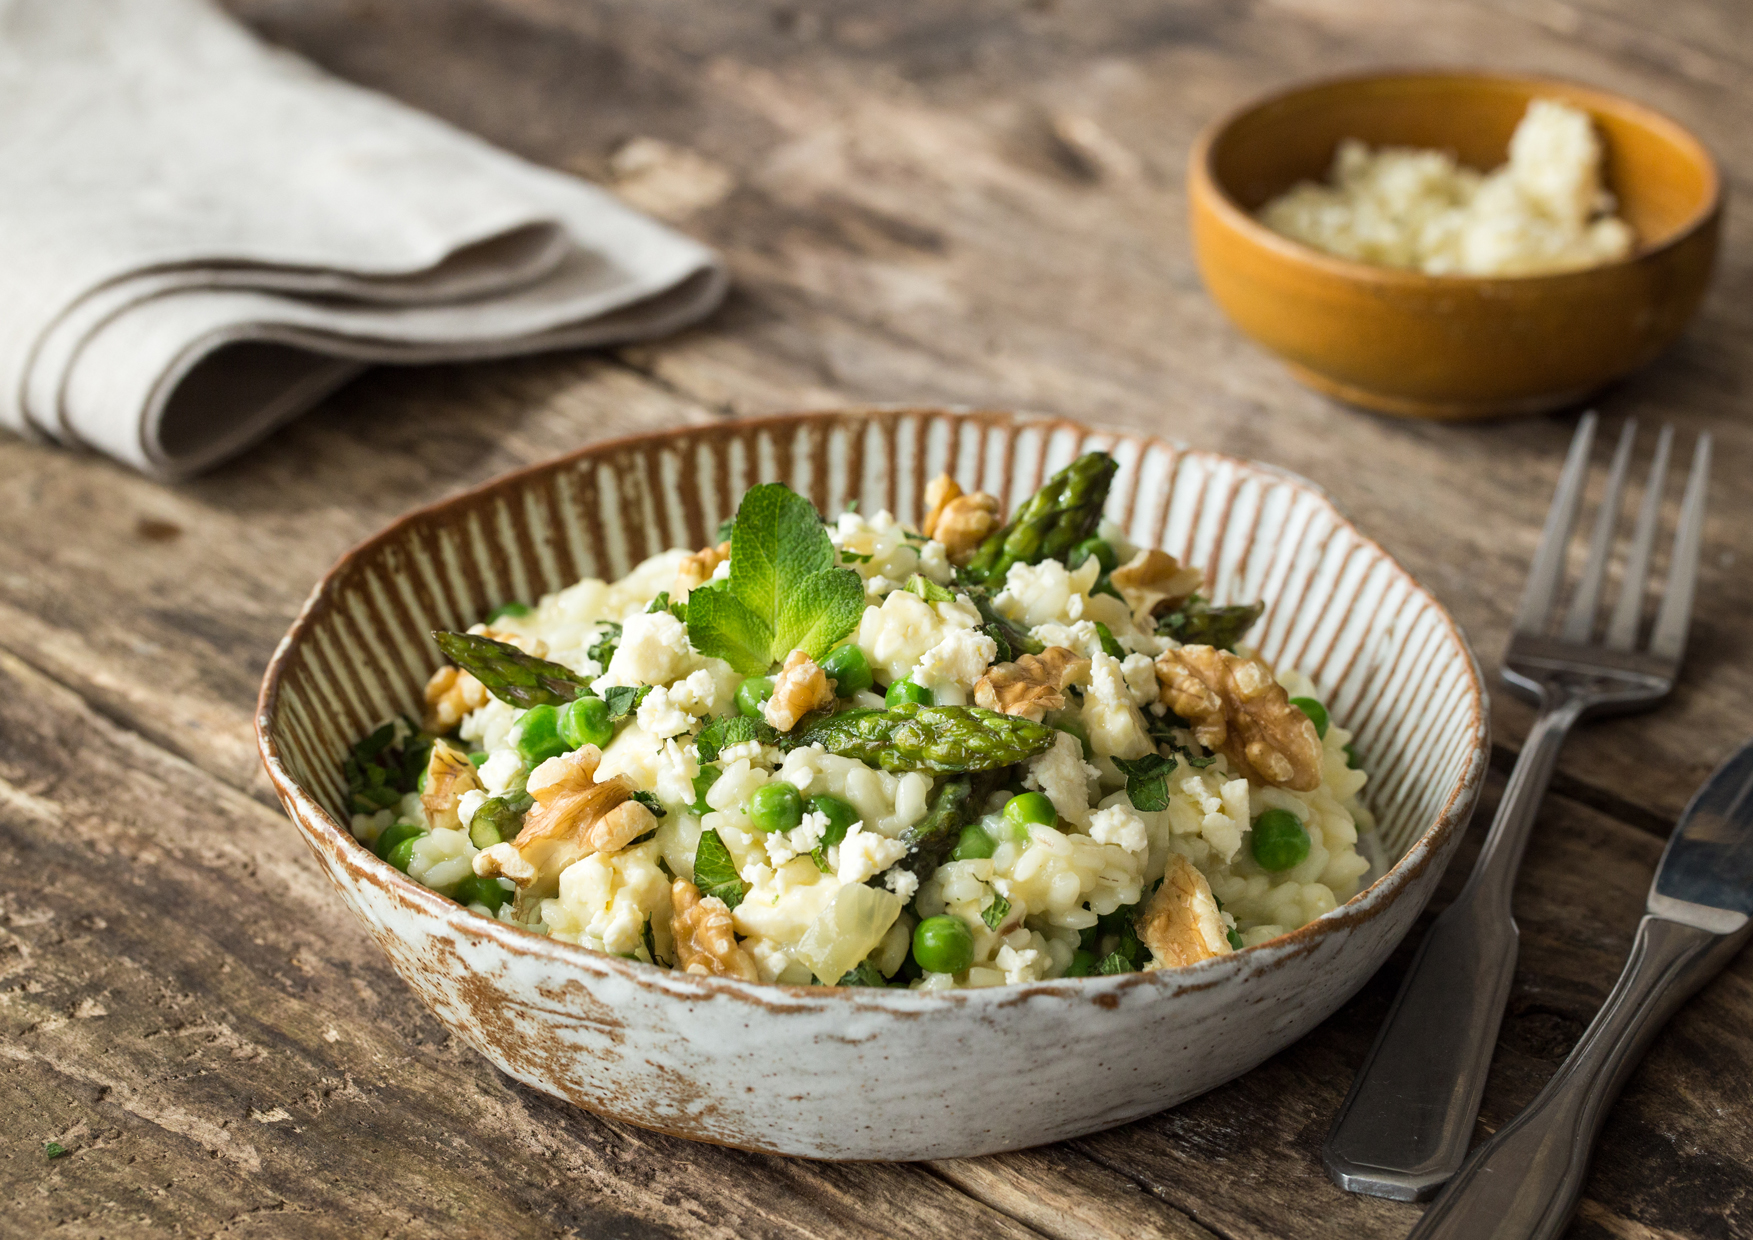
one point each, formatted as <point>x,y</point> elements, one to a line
<point>201,235</point>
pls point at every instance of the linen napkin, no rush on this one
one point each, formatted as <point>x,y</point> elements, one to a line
<point>201,235</point>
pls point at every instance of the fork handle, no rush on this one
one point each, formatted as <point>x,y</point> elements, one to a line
<point>1404,1127</point>
<point>1524,1183</point>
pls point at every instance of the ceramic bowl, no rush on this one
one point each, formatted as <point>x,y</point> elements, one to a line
<point>858,1073</point>
<point>1402,342</point>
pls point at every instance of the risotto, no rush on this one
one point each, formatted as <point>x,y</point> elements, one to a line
<point>979,752</point>
<point>1545,210</point>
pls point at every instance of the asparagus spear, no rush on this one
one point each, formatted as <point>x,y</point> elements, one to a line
<point>1053,520</point>
<point>911,737</point>
<point>509,674</point>
<point>1197,623</point>
<point>956,803</point>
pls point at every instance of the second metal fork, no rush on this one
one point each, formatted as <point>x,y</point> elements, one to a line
<point>1404,1127</point>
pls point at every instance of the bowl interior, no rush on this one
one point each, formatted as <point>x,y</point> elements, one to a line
<point>1389,662</point>
<point>1664,179</point>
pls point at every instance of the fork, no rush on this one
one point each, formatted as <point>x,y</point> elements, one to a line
<point>1403,1129</point>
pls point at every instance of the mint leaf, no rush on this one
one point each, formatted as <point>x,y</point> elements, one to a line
<point>722,626</point>
<point>650,801</point>
<point>662,603</point>
<point>1115,962</point>
<point>1147,780</point>
<point>822,609</point>
<point>650,942</point>
<point>865,974</point>
<point>715,874</point>
<point>784,592</point>
<point>1110,647</point>
<point>721,734</point>
<point>928,589</point>
<point>54,1149</point>
<point>604,649</point>
<point>994,914</point>
<point>623,700</point>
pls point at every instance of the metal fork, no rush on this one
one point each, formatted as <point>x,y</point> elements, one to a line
<point>1404,1127</point>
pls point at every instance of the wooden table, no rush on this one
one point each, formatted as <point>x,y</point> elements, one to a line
<point>976,202</point>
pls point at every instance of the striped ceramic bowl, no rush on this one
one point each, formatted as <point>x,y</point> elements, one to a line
<point>860,1073</point>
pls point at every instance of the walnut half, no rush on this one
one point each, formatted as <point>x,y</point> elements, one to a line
<point>697,569</point>
<point>1182,925</point>
<point>706,941</point>
<point>1234,705</point>
<point>449,774</point>
<point>1154,581</point>
<point>959,521</point>
<point>451,694</point>
<point>574,816</point>
<point>800,687</point>
<point>1033,685</point>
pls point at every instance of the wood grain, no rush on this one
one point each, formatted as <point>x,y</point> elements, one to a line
<point>972,201</point>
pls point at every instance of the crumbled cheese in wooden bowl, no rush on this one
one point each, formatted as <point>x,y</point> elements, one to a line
<point>1543,211</point>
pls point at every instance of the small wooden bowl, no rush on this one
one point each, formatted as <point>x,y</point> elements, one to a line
<point>1406,343</point>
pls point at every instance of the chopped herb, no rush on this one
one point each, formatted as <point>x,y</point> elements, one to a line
<point>386,766</point>
<point>994,914</point>
<point>650,801</point>
<point>852,505</point>
<point>1009,637</point>
<point>1002,652</point>
<point>650,942</point>
<point>1235,939</point>
<point>604,648</point>
<point>1162,729</point>
<point>784,592</point>
<point>662,603</point>
<point>54,1149</point>
<point>715,873</point>
<point>1197,623</point>
<point>1110,647</point>
<point>512,609</point>
<point>928,589</point>
<point>623,700</point>
<point>866,974</point>
<point>720,734</point>
<point>854,557</point>
<point>1115,962</point>
<point>1351,757</point>
<point>509,674</point>
<point>1147,781</point>
<point>724,528</point>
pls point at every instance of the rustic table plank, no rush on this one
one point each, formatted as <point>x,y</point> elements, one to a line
<point>975,202</point>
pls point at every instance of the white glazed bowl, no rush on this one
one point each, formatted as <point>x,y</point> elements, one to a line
<point>857,1073</point>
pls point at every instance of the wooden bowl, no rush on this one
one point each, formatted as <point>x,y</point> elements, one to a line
<point>856,1072</point>
<point>1424,346</point>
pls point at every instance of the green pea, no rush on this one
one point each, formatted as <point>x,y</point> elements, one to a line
<point>394,834</point>
<point>840,815</point>
<point>776,806</point>
<point>1279,840</point>
<point>538,737</point>
<point>585,721</point>
<point>752,693</point>
<point>477,890</point>
<point>513,608</point>
<point>403,852</point>
<point>943,945</point>
<point>904,690</point>
<point>1316,712</point>
<point>1100,548</point>
<point>850,671</point>
<point>702,785</point>
<point>1031,809</point>
<point>478,757</point>
<point>973,843</point>
<point>1083,964</point>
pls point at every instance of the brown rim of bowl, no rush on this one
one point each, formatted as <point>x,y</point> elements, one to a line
<point>349,853</point>
<point>1199,166</point>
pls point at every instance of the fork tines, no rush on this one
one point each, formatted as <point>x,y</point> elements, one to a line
<point>1668,636</point>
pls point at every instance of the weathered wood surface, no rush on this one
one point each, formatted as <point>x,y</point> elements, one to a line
<point>975,202</point>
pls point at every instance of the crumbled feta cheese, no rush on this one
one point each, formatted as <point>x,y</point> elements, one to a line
<point>663,717</point>
<point>1028,965</point>
<point>1063,775</point>
<point>499,770</point>
<point>1119,824</point>
<point>950,668</point>
<point>747,751</point>
<point>468,803</point>
<point>902,882</point>
<point>654,650</point>
<point>864,853</point>
<point>1046,592</point>
<point>894,635</point>
<point>1113,722</point>
<point>1141,682</point>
